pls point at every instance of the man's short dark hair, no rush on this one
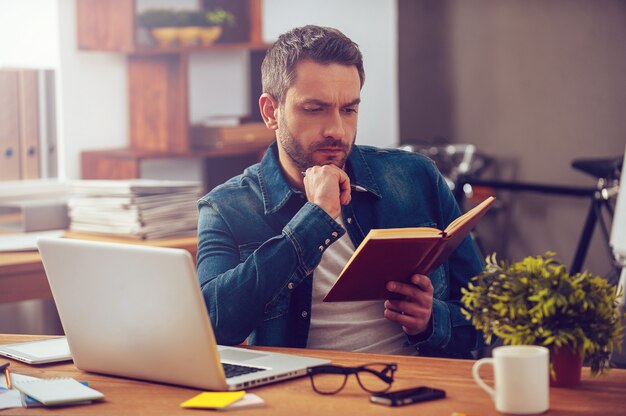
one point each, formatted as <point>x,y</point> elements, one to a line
<point>323,45</point>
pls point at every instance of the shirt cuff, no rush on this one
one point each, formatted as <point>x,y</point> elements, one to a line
<point>440,333</point>
<point>312,231</point>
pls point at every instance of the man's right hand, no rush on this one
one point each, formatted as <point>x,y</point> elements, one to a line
<point>328,187</point>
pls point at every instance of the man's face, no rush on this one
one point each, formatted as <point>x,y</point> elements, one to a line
<point>318,121</point>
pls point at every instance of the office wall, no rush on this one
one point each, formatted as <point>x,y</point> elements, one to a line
<point>535,84</point>
<point>93,109</point>
<point>34,45</point>
<point>91,87</point>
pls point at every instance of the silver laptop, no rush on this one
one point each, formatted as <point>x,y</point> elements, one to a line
<point>137,311</point>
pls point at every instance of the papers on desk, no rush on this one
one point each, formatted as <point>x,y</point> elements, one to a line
<point>10,398</point>
<point>56,391</point>
<point>139,208</point>
<point>38,392</point>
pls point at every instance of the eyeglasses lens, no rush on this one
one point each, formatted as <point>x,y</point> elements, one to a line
<point>371,382</point>
<point>329,383</point>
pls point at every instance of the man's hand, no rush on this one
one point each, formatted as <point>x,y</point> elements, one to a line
<point>415,309</point>
<point>328,187</point>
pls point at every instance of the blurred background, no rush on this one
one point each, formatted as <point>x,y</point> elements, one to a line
<point>531,85</point>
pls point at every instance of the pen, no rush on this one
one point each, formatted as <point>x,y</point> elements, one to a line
<point>354,187</point>
<point>7,374</point>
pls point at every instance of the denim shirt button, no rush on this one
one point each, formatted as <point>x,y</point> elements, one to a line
<point>335,234</point>
<point>321,248</point>
<point>304,314</point>
<point>327,242</point>
<point>349,220</point>
<point>291,285</point>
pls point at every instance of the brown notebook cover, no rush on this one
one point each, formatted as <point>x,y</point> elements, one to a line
<point>398,253</point>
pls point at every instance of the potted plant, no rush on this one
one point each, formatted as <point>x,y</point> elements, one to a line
<point>536,302</point>
<point>192,23</point>
<point>215,20</point>
<point>163,25</point>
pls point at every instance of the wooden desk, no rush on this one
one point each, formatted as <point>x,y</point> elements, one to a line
<point>599,396</point>
<point>22,276</point>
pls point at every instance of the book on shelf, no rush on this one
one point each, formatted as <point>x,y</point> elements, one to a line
<point>223,120</point>
<point>216,137</point>
<point>396,254</point>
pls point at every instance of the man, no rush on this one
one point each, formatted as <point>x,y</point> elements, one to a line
<point>272,241</point>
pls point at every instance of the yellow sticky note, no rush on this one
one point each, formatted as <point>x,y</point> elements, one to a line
<point>213,400</point>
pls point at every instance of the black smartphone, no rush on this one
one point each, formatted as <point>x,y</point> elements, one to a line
<point>407,396</point>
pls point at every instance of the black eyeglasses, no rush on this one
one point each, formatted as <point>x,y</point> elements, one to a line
<point>330,379</point>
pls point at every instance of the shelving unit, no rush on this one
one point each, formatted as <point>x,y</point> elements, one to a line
<point>158,84</point>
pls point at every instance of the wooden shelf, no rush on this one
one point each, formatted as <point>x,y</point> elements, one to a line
<point>158,80</point>
<point>180,50</point>
<point>126,163</point>
<point>111,25</point>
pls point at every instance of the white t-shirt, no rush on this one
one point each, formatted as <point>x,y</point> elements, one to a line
<point>350,326</point>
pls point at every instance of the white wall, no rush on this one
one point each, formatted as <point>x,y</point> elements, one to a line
<point>29,34</point>
<point>93,110</point>
<point>209,93</point>
<point>91,86</point>
<point>372,24</point>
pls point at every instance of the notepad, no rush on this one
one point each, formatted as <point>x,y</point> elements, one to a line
<point>213,400</point>
<point>55,391</point>
<point>29,402</point>
<point>248,401</point>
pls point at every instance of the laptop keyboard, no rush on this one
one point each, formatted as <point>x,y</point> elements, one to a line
<point>234,370</point>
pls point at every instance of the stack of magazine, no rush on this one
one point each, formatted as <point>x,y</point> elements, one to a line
<point>137,208</point>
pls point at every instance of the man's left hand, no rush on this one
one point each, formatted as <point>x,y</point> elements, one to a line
<point>414,310</point>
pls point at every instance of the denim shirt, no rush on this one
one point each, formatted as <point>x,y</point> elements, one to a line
<point>259,241</point>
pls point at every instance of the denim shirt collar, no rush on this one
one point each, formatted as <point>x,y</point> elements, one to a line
<point>276,190</point>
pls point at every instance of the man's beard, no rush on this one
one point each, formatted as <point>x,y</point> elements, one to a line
<point>303,157</point>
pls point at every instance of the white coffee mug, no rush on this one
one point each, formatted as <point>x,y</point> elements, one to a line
<point>522,378</point>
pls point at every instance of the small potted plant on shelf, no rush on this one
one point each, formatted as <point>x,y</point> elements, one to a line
<point>185,27</point>
<point>192,23</point>
<point>536,302</point>
<point>215,20</point>
<point>163,25</point>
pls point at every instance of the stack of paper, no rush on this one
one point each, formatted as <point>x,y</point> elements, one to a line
<point>138,208</point>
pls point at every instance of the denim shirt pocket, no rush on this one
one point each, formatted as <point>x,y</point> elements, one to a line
<point>279,305</point>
